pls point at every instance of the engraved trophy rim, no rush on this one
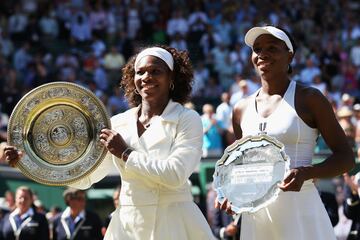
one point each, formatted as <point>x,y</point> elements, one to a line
<point>26,126</point>
<point>228,161</point>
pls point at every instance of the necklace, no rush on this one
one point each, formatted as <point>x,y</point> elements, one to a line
<point>146,126</point>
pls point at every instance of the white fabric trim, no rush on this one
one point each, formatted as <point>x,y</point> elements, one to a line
<point>255,32</point>
<point>156,52</point>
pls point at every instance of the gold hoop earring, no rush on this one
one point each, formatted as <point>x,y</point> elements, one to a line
<point>136,92</point>
<point>172,86</point>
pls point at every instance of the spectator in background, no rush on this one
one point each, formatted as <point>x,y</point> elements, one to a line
<point>352,204</point>
<point>75,222</point>
<point>49,26</point>
<point>113,62</point>
<point>133,20</point>
<point>319,84</point>
<point>22,58</point>
<point>197,22</point>
<point>355,53</point>
<point>10,200</point>
<point>242,93</point>
<point>4,119</point>
<point>309,72</point>
<point>213,130</point>
<point>17,24</point>
<point>11,91</point>
<point>51,216</point>
<point>346,101</point>
<point>327,192</point>
<point>98,20</point>
<point>177,24</point>
<point>224,226</point>
<point>66,64</point>
<point>178,42</point>
<point>150,15</point>
<point>356,111</point>
<point>100,76</point>
<point>24,223</point>
<point>116,199</point>
<point>209,39</point>
<point>80,29</point>
<point>224,114</point>
<point>201,76</point>
<point>98,46</point>
<point>117,102</point>
<point>344,115</point>
<point>213,89</point>
<point>6,44</point>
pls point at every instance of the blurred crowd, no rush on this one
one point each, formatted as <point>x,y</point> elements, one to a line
<point>23,216</point>
<point>88,42</point>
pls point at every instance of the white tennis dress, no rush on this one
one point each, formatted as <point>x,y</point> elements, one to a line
<point>294,215</point>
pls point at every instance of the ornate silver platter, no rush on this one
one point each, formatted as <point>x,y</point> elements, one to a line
<point>57,125</point>
<point>249,171</point>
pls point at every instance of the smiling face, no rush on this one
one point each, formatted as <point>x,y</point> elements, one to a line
<point>152,79</point>
<point>270,56</point>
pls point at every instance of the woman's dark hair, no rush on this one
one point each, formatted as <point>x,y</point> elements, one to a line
<point>182,78</point>
<point>292,43</point>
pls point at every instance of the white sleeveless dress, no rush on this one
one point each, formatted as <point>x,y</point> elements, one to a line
<point>294,215</point>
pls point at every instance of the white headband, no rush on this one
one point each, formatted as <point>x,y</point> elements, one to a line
<point>255,32</point>
<point>156,52</point>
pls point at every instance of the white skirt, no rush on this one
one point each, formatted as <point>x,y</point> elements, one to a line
<point>169,221</point>
<point>293,216</point>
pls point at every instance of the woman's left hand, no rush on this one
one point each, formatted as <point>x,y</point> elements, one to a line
<point>113,141</point>
<point>293,181</point>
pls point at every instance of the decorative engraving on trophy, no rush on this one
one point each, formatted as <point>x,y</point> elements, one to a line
<point>54,115</point>
<point>58,92</point>
<point>60,135</point>
<point>80,127</point>
<point>100,125</point>
<point>58,126</point>
<point>74,171</point>
<point>85,100</point>
<point>17,135</point>
<point>32,103</point>
<point>42,143</point>
<point>28,163</point>
<point>66,153</point>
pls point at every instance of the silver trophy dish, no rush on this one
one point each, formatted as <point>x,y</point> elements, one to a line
<point>248,173</point>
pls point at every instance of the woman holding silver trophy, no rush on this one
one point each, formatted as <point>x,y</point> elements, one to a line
<point>295,115</point>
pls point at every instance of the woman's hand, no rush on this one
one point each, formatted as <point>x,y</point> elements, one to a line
<point>11,155</point>
<point>113,142</point>
<point>294,180</point>
<point>225,206</point>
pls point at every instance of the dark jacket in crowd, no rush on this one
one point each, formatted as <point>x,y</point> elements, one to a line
<point>87,229</point>
<point>220,220</point>
<point>34,227</point>
<point>352,211</point>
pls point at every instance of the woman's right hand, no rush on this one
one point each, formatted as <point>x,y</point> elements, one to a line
<point>225,206</point>
<point>11,155</point>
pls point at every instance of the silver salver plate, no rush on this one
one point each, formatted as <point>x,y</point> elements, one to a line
<point>249,171</point>
<point>57,125</point>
